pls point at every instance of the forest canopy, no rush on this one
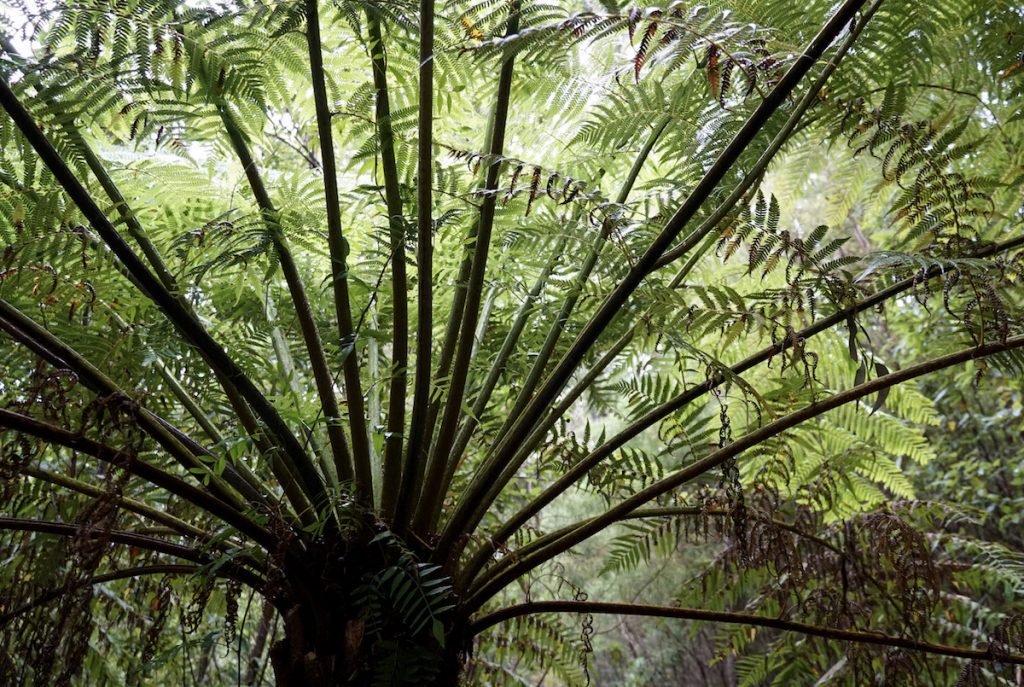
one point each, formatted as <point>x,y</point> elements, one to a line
<point>496,343</point>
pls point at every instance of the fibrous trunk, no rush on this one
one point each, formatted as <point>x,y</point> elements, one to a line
<point>366,614</point>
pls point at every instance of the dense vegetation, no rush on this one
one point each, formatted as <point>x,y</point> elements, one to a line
<point>522,342</point>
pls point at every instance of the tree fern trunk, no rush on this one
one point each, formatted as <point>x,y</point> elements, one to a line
<point>366,612</point>
<point>300,662</point>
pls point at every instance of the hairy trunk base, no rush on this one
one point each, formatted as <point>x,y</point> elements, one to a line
<point>305,658</point>
<point>363,610</point>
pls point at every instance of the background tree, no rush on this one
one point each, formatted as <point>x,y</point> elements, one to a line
<point>334,332</point>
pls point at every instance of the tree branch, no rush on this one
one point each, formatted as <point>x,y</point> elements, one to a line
<point>257,491</point>
<point>163,273</point>
<point>474,290</point>
<point>303,466</point>
<point>488,548</point>
<point>588,528</point>
<point>138,541</point>
<point>547,349</point>
<point>483,397</point>
<point>750,180</point>
<point>29,333</point>
<point>555,333</point>
<point>131,222</point>
<point>393,440</point>
<point>130,505</point>
<point>418,448</point>
<point>123,574</point>
<point>655,415</point>
<point>487,484</point>
<point>339,268</point>
<point>178,487</point>
<point>184,321</point>
<point>639,514</point>
<point>857,636</point>
<point>757,171</point>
